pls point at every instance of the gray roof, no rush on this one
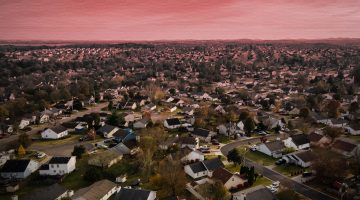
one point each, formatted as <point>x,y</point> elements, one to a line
<point>58,129</point>
<point>197,167</point>
<point>305,156</point>
<point>213,164</point>
<point>132,194</point>
<point>95,191</point>
<point>201,132</point>
<point>49,193</point>
<point>300,139</point>
<point>15,166</point>
<point>106,128</point>
<point>275,145</point>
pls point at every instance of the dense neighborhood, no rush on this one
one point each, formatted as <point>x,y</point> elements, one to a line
<point>220,120</point>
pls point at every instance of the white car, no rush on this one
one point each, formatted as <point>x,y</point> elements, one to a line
<point>275,184</point>
<point>40,154</point>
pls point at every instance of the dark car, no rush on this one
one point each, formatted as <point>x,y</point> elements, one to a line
<point>215,142</point>
<point>307,174</point>
<point>280,162</point>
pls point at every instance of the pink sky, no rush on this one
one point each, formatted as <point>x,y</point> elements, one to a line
<point>178,19</point>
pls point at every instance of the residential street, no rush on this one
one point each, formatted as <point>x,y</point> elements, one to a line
<point>275,176</point>
<point>7,143</point>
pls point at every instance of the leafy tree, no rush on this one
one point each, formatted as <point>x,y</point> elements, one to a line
<point>21,151</point>
<point>115,119</point>
<point>78,151</point>
<point>24,140</point>
<point>173,175</point>
<point>215,191</point>
<point>110,105</point>
<point>356,74</point>
<point>234,156</point>
<point>354,107</point>
<point>244,115</point>
<point>333,132</point>
<point>91,134</point>
<point>249,126</point>
<point>333,109</point>
<point>304,113</point>
<point>93,174</point>
<point>251,176</point>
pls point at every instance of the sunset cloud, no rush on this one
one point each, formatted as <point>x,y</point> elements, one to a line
<point>172,19</point>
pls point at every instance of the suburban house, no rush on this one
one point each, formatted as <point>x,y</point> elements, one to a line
<point>56,132</point>
<point>106,158</point>
<point>123,135</point>
<point>190,155</point>
<point>44,118</point>
<point>135,194</point>
<point>188,110</point>
<point>203,134</point>
<point>58,166</point>
<point>317,139</point>
<point>18,169</point>
<point>150,107</point>
<point>353,129</point>
<point>52,192</point>
<point>231,128</point>
<point>107,131</point>
<point>340,123</point>
<point>273,149</point>
<point>190,142</point>
<point>345,147</point>
<point>172,123</point>
<point>142,123</point>
<point>298,142</point>
<point>254,193</point>
<point>132,117</point>
<point>229,179</point>
<point>301,158</point>
<point>24,123</point>
<point>100,190</point>
<point>203,168</point>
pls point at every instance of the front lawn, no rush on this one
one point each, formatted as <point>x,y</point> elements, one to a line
<point>257,157</point>
<point>289,170</point>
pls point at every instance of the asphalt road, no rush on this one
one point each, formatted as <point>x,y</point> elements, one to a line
<point>275,176</point>
<point>10,142</point>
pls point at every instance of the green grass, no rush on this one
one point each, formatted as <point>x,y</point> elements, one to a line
<point>75,180</point>
<point>257,157</point>
<point>289,170</point>
<point>223,139</point>
<point>233,168</point>
<point>262,181</point>
<point>354,137</point>
<point>209,157</point>
<point>70,138</point>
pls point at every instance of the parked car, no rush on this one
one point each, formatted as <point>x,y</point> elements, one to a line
<point>280,162</point>
<point>40,155</point>
<point>307,174</point>
<point>83,138</point>
<point>215,142</point>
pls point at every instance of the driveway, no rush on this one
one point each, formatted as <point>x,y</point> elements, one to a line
<point>11,141</point>
<point>275,176</point>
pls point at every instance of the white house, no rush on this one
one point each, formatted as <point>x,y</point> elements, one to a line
<point>231,128</point>
<point>107,130</point>
<point>190,155</point>
<point>56,132</point>
<point>133,117</point>
<point>135,194</point>
<point>172,123</point>
<point>353,129</point>
<point>173,109</point>
<point>100,190</point>
<point>273,149</point>
<point>298,142</point>
<point>203,168</point>
<point>203,134</point>
<point>58,166</point>
<point>24,123</point>
<point>44,118</point>
<point>301,158</point>
<point>142,123</point>
<point>18,169</point>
